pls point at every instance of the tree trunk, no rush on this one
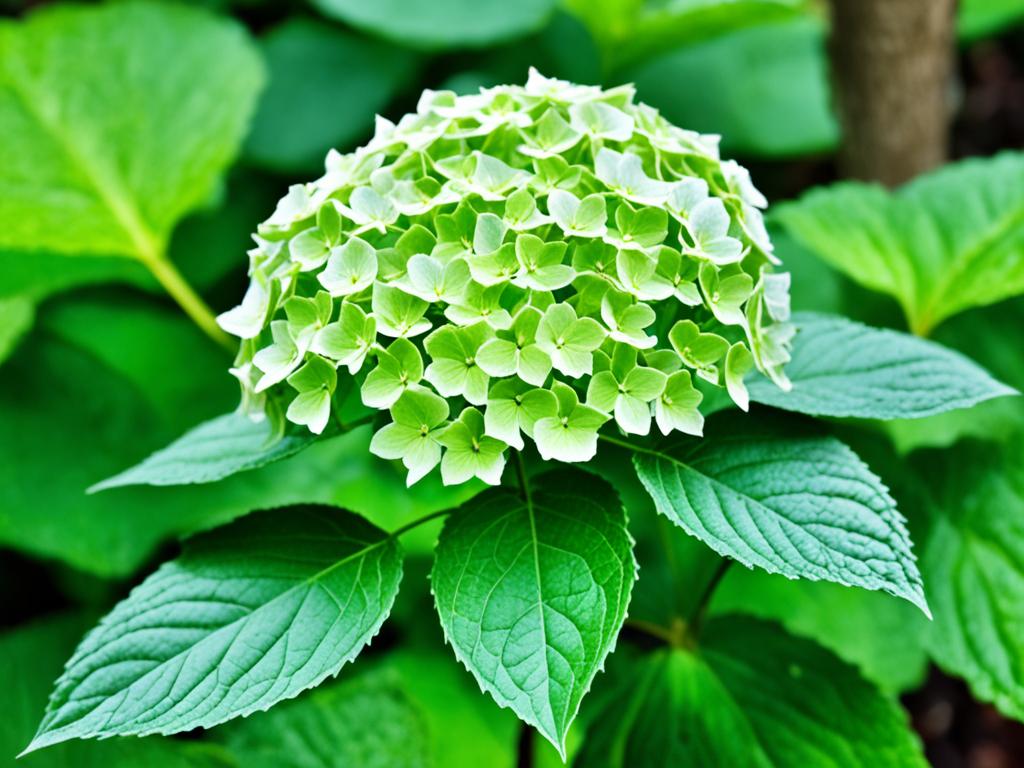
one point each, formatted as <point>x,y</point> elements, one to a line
<point>892,64</point>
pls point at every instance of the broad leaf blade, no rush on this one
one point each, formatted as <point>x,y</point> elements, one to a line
<point>974,564</point>
<point>753,696</point>
<point>365,721</point>
<point>98,160</point>
<point>801,505</point>
<point>249,614</point>
<point>215,449</point>
<point>945,242</point>
<point>844,369</point>
<point>532,593</point>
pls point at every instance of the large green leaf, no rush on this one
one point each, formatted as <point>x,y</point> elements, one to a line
<point>974,567</point>
<point>764,89</point>
<point>943,243</point>
<point>442,23</point>
<point>980,18</point>
<point>325,87</point>
<point>801,505</point>
<point>248,615</point>
<point>879,634</point>
<point>842,368</point>
<point>364,721</point>
<point>215,449</point>
<point>16,314</point>
<point>31,657</point>
<point>532,592</point>
<point>633,30</point>
<point>751,695</point>
<point>118,120</point>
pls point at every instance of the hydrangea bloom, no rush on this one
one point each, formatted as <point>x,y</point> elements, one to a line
<point>526,262</point>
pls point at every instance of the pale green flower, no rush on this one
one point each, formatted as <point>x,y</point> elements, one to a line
<point>469,452</point>
<point>571,434</point>
<point>418,418</point>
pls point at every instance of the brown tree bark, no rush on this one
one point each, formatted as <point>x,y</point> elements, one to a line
<point>892,64</point>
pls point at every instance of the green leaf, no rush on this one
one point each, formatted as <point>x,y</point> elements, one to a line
<point>215,449</point>
<point>362,721</point>
<point>879,634</point>
<point>324,88</point>
<point>753,696</point>
<point>801,505</point>
<point>983,18</point>
<point>844,369</point>
<point>31,657</point>
<point>779,67</point>
<point>248,615</point>
<point>532,593</point>
<point>16,316</point>
<point>442,24</point>
<point>943,243</point>
<point>974,567</point>
<point>629,31</point>
<point>103,159</point>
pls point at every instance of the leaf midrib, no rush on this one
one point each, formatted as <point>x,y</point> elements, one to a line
<point>313,580</point>
<point>109,190</point>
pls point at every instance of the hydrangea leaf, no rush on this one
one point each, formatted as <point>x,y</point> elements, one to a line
<point>417,417</point>
<point>469,452</point>
<point>79,179</point>
<point>533,638</point>
<point>569,341</point>
<point>801,505</point>
<point>571,434</point>
<point>316,586</point>
<point>347,340</point>
<point>454,370</point>
<point>844,369</point>
<point>743,700</point>
<point>972,567</point>
<point>945,242</point>
<point>398,368</point>
<point>513,407</point>
<point>676,407</point>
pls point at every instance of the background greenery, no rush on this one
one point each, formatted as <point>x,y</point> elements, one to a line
<point>141,143</point>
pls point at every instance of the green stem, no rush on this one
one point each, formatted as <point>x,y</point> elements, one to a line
<point>418,522</point>
<point>179,289</point>
<point>629,446</point>
<point>524,483</point>
<point>701,609</point>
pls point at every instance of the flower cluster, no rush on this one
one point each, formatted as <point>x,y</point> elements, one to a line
<point>534,260</point>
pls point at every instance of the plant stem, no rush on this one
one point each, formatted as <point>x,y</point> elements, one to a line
<point>658,632</point>
<point>524,749</point>
<point>701,609</point>
<point>524,483</point>
<point>628,446</point>
<point>418,522</point>
<point>179,289</point>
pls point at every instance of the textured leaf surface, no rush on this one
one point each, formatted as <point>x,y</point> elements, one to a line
<point>753,696</point>
<point>842,368</point>
<point>16,315</point>
<point>365,721</point>
<point>324,88</point>
<point>249,614</point>
<point>216,449</point>
<point>974,565</point>
<point>108,141</point>
<point>780,67</point>
<point>532,593</point>
<point>31,657</point>
<point>802,506</point>
<point>943,243</point>
<point>442,23</point>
